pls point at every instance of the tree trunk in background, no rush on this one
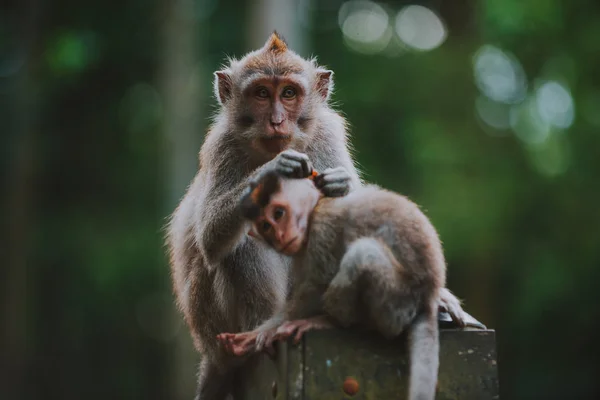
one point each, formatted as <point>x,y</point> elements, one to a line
<point>17,277</point>
<point>281,15</point>
<point>183,125</point>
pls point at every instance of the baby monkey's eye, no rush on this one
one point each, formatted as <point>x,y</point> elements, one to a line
<point>289,93</point>
<point>262,92</point>
<point>266,226</point>
<point>278,213</point>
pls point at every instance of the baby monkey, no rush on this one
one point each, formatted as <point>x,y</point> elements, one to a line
<point>370,258</point>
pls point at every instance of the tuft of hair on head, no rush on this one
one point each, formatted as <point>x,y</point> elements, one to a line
<point>276,43</point>
<point>259,193</point>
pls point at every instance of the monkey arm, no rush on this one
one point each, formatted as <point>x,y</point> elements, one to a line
<point>221,224</point>
<point>221,221</point>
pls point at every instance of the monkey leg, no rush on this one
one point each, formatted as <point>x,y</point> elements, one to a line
<point>369,280</point>
<point>214,381</point>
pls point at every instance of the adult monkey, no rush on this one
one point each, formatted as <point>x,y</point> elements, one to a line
<point>271,100</point>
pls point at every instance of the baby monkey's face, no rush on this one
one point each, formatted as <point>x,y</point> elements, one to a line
<point>283,223</point>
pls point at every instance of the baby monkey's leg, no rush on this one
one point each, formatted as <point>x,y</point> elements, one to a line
<point>369,282</point>
<point>301,326</point>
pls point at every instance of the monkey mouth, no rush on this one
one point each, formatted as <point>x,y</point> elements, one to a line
<point>276,144</point>
<point>288,244</point>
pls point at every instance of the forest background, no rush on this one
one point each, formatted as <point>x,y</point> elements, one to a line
<point>486,113</point>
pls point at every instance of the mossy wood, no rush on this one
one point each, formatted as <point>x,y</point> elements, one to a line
<point>327,361</point>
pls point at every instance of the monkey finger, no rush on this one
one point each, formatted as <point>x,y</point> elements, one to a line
<point>293,155</point>
<point>286,171</point>
<point>290,168</point>
<point>300,168</point>
<point>286,330</point>
<point>300,332</point>
<point>260,342</point>
<point>335,190</point>
<point>334,177</point>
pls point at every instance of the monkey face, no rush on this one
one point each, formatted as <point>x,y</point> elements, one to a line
<point>284,221</point>
<point>271,98</point>
<point>274,105</point>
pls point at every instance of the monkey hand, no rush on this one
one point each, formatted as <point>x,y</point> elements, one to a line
<point>301,326</point>
<point>334,182</point>
<point>293,164</point>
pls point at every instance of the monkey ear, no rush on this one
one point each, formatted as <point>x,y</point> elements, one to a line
<point>248,206</point>
<point>223,86</point>
<point>270,183</point>
<point>276,43</point>
<point>324,83</point>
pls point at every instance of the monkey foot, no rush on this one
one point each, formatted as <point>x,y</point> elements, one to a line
<point>463,320</point>
<point>238,344</point>
<point>300,326</point>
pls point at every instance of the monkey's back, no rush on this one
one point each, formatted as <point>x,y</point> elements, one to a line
<point>391,218</point>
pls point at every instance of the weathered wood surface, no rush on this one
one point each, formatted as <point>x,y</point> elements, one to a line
<point>317,368</point>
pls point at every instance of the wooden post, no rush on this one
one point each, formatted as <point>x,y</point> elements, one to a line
<point>326,361</point>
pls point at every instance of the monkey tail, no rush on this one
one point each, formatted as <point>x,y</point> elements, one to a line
<point>424,355</point>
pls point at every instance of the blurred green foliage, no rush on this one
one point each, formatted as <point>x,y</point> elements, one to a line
<point>81,116</point>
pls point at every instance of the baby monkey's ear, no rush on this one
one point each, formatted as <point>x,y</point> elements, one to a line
<point>258,194</point>
<point>248,206</point>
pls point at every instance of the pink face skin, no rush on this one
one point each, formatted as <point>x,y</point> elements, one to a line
<point>275,104</point>
<point>284,221</point>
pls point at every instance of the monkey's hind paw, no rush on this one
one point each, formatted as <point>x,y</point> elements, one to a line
<point>301,326</point>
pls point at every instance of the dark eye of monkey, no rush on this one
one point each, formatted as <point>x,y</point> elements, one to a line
<point>278,213</point>
<point>289,92</point>
<point>262,92</point>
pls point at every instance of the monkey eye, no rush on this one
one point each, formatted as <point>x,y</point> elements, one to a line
<point>262,92</point>
<point>278,213</point>
<point>288,92</point>
<point>266,226</point>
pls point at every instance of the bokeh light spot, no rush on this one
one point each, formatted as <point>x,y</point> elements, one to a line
<point>555,104</point>
<point>493,114</point>
<point>499,75</point>
<point>527,123</point>
<point>365,26</point>
<point>420,28</point>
